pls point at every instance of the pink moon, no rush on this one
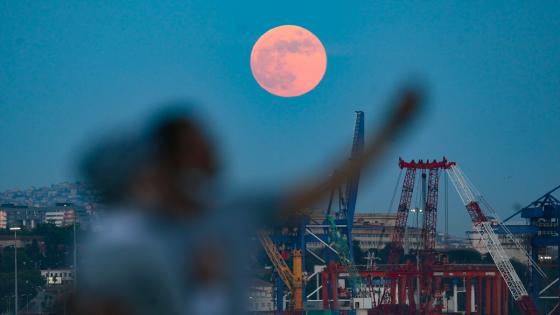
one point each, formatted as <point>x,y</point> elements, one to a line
<point>288,61</point>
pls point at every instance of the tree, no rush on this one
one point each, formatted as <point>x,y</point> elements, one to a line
<point>29,277</point>
<point>58,245</point>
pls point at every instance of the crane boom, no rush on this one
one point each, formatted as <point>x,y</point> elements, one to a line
<point>293,280</point>
<point>357,149</point>
<point>281,267</point>
<point>491,241</point>
<point>351,192</point>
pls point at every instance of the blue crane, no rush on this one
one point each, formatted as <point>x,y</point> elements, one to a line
<point>344,217</point>
<point>342,220</point>
<point>352,185</point>
<point>543,215</point>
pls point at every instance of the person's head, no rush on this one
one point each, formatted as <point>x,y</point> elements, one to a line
<point>185,158</point>
<point>168,166</point>
<point>181,143</point>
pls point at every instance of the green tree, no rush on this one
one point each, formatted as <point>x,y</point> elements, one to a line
<point>58,245</point>
<point>29,277</point>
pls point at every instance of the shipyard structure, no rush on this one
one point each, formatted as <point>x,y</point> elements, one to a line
<point>405,264</point>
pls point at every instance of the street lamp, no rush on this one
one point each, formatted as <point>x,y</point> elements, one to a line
<point>15,229</point>
<point>75,275</point>
<point>75,272</point>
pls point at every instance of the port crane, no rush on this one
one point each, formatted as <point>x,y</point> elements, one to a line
<point>483,226</point>
<point>428,231</point>
<point>292,279</point>
<point>543,215</point>
<point>337,228</point>
<point>429,299</point>
<point>345,215</point>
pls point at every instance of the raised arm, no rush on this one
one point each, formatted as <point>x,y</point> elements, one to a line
<point>406,107</point>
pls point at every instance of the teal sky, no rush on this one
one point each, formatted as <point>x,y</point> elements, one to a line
<point>70,70</point>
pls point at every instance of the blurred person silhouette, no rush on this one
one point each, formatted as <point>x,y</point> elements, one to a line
<point>174,241</point>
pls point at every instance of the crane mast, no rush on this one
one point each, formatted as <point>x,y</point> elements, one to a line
<point>430,211</point>
<point>351,191</point>
<point>491,241</point>
<point>430,215</point>
<point>402,216</point>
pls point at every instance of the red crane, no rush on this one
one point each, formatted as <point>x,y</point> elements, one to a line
<point>430,215</point>
<point>470,197</point>
<point>429,224</point>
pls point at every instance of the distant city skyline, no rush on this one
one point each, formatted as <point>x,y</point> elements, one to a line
<point>70,72</point>
<point>65,192</point>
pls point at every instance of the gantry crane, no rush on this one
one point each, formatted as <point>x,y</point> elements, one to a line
<point>543,216</point>
<point>428,230</point>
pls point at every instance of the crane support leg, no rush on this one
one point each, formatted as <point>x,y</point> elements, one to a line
<point>488,296</point>
<point>325,289</point>
<point>402,216</point>
<point>430,213</point>
<point>468,294</point>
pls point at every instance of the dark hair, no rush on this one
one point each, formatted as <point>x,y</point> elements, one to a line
<point>109,166</point>
<point>176,134</point>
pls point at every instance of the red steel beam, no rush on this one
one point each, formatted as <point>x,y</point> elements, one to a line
<point>421,165</point>
<point>468,294</point>
<point>488,303</point>
<point>411,301</point>
<point>402,289</point>
<point>497,288</point>
<point>334,290</point>
<point>325,289</point>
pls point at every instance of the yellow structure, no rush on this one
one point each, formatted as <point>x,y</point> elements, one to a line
<point>293,280</point>
<point>298,280</point>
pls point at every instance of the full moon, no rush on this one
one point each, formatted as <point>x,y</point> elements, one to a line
<point>288,61</point>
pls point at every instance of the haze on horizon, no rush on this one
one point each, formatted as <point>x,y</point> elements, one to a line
<point>71,71</point>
